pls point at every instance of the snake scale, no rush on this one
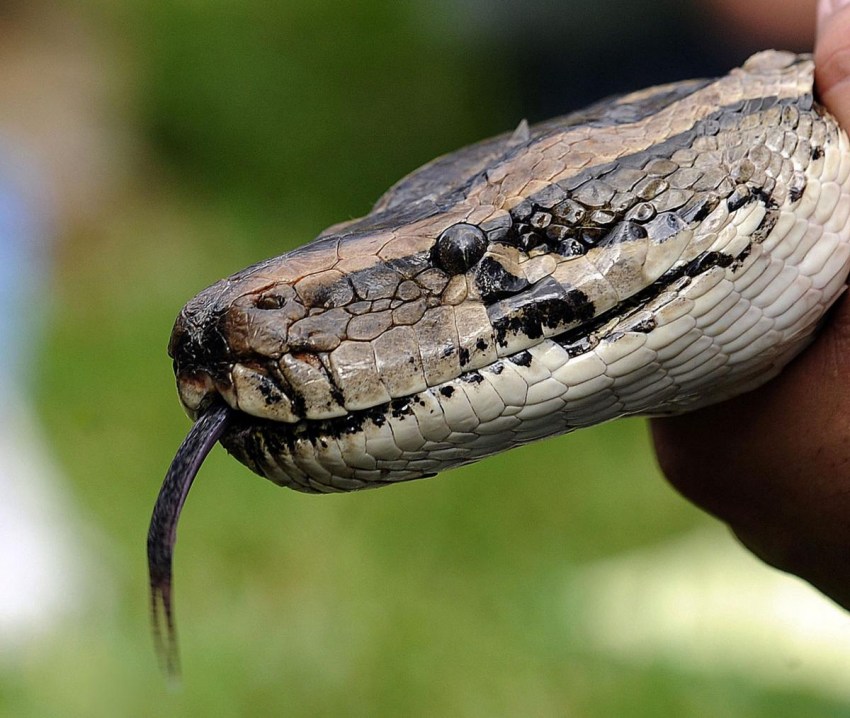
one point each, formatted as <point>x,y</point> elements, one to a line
<point>648,255</point>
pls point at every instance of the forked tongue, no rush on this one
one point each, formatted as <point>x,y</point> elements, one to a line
<point>162,533</point>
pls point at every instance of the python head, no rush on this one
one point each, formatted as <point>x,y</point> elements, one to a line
<point>651,254</point>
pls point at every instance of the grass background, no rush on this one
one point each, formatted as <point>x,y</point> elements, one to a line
<point>255,125</point>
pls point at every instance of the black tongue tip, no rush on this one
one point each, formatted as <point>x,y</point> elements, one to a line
<point>162,533</point>
<point>162,623</point>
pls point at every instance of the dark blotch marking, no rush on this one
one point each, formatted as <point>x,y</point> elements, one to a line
<point>571,248</point>
<point>765,197</point>
<point>699,209</point>
<point>447,391</point>
<point>575,306</point>
<point>521,359</point>
<point>275,384</point>
<point>270,393</point>
<point>817,153</point>
<point>624,232</point>
<point>740,197</point>
<point>706,261</point>
<point>547,305</point>
<point>463,356</point>
<point>582,307</point>
<point>580,346</point>
<point>739,260</point>
<point>351,423</point>
<point>591,236</point>
<point>523,210</point>
<point>529,240</point>
<point>336,394</point>
<point>335,294</point>
<point>495,282</point>
<point>399,408</point>
<point>766,225</point>
<point>645,326</point>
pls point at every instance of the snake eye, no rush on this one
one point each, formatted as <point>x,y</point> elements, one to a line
<point>459,247</point>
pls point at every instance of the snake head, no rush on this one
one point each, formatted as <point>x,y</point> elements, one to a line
<point>652,253</point>
<point>376,311</point>
<point>564,237</point>
<point>489,251</point>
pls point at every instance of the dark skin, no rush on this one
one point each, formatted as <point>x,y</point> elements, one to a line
<point>774,464</point>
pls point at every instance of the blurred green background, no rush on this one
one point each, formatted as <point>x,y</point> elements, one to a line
<point>232,131</point>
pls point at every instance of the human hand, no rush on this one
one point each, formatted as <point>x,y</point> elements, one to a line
<point>775,463</point>
<point>832,57</point>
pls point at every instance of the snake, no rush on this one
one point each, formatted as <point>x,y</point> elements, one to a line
<point>648,255</point>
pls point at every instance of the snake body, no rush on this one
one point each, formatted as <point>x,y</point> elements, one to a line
<point>649,255</point>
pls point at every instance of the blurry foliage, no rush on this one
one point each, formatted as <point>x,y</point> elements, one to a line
<point>265,122</point>
<point>308,107</point>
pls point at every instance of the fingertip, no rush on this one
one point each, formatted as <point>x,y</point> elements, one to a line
<point>832,58</point>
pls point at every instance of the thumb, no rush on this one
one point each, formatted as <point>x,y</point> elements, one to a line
<point>832,58</point>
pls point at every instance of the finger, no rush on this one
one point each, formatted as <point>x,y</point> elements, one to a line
<point>791,426</point>
<point>832,57</point>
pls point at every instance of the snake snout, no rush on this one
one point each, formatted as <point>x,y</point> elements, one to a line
<point>200,353</point>
<point>239,342</point>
